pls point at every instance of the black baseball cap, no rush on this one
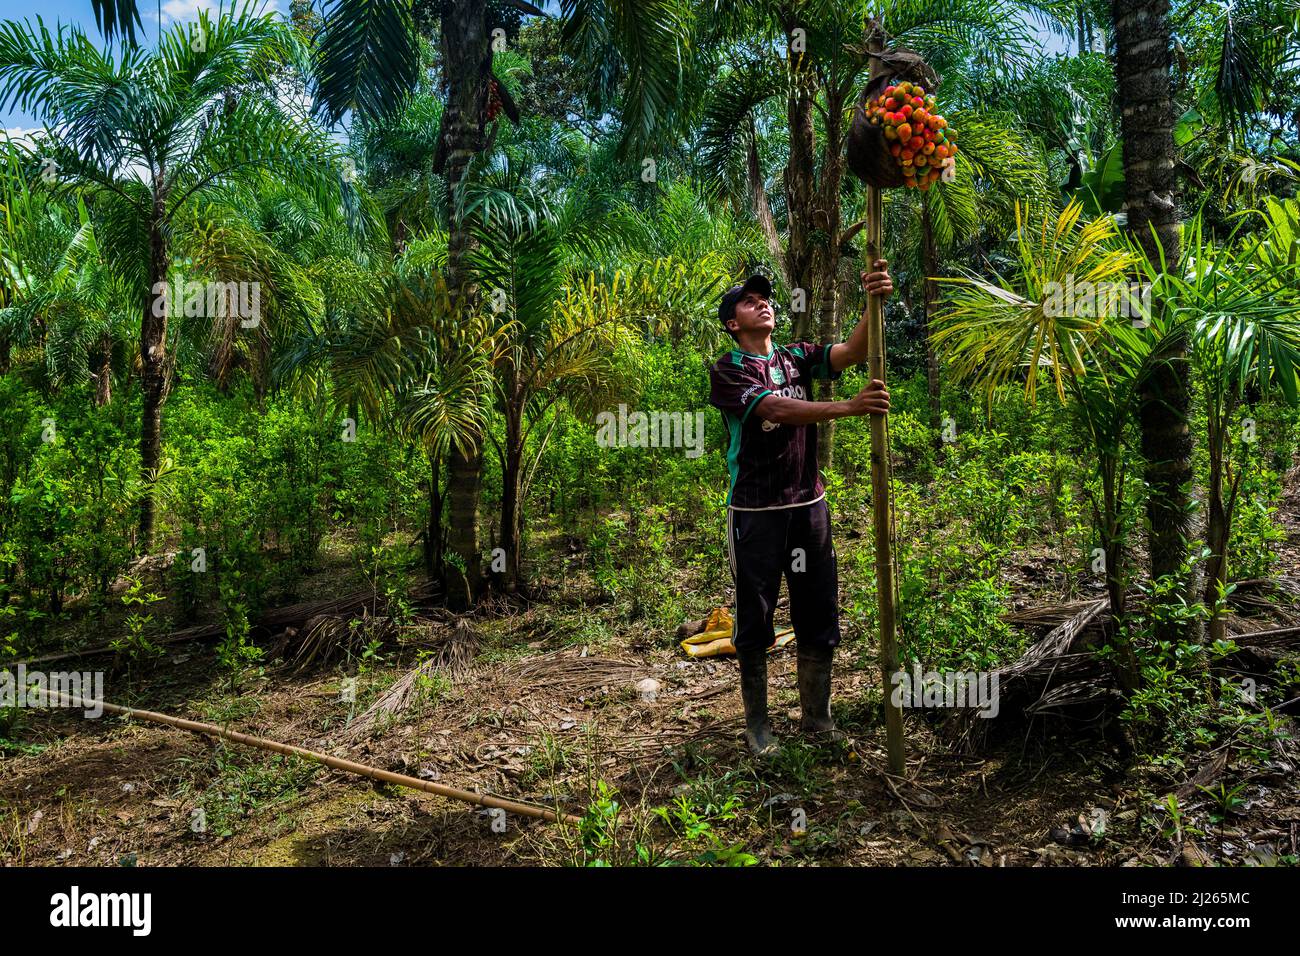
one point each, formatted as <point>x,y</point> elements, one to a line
<point>727,307</point>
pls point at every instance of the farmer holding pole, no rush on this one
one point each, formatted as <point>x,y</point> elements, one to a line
<point>778,522</point>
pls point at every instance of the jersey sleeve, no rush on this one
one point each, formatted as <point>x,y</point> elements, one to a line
<point>735,389</point>
<point>814,360</point>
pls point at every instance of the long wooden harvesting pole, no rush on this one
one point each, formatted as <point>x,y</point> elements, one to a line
<point>335,763</point>
<point>882,505</point>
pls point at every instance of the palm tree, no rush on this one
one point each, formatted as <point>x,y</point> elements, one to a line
<point>150,136</point>
<point>59,295</point>
<point>995,332</point>
<point>1233,59</point>
<point>566,337</point>
<point>393,345</point>
<point>1240,306</point>
<point>295,244</point>
<point>368,60</point>
<point>1237,308</point>
<point>1143,61</point>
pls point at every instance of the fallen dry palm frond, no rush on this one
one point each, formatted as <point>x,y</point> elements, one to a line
<point>1091,690</point>
<point>287,620</point>
<point>568,672</point>
<point>1046,654</point>
<point>1252,595</point>
<point>1050,615</point>
<point>454,658</point>
<point>1270,637</point>
<point>1057,672</point>
<point>455,654</point>
<point>1265,596</point>
<point>326,638</point>
<point>1061,673</point>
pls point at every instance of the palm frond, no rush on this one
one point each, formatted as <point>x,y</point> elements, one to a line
<point>367,58</point>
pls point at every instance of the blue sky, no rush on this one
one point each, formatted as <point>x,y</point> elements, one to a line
<point>82,13</point>
<point>169,12</point>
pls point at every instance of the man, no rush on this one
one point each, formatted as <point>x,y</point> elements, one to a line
<point>777,518</point>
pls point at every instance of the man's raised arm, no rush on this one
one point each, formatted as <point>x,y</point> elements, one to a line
<point>853,350</point>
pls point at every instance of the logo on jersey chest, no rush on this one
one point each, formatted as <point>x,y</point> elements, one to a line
<point>778,376</point>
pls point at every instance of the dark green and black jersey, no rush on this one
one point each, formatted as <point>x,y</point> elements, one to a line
<point>771,465</point>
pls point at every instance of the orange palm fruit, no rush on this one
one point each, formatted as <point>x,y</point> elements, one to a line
<point>905,131</point>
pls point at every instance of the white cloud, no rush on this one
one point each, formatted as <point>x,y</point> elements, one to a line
<point>185,11</point>
<point>23,134</point>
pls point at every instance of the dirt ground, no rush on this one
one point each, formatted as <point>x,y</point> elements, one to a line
<point>548,712</point>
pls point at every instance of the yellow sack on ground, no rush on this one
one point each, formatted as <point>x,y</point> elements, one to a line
<point>717,634</point>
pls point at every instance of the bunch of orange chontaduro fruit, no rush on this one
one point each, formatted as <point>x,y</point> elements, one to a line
<point>494,105</point>
<point>919,138</point>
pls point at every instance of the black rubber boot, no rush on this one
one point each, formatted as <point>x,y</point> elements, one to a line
<point>815,693</point>
<point>753,691</point>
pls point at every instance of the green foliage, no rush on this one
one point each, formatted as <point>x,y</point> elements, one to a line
<point>243,783</point>
<point>258,492</point>
<point>235,652</point>
<point>134,645</point>
<point>606,838</point>
<point>961,629</point>
<point>67,518</point>
<point>596,287</point>
<point>1173,704</point>
<point>693,826</point>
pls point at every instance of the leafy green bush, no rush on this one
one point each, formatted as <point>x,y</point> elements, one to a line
<point>70,511</point>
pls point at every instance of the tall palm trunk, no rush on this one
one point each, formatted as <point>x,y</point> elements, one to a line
<point>153,368</point>
<point>827,222</point>
<point>104,374</point>
<point>467,59</point>
<point>1143,61</point>
<point>433,526</point>
<point>799,199</point>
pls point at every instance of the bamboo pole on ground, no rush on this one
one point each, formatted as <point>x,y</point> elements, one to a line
<point>881,500</point>
<point>334,763</point>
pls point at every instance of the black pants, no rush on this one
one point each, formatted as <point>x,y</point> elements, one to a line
<point>795,542</point>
